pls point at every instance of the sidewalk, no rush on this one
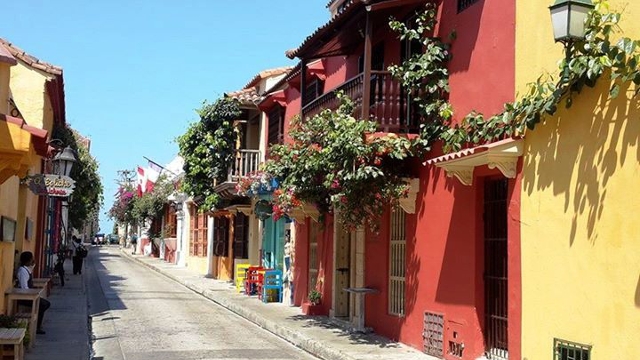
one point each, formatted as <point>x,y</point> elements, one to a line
<point>318,335</point>
<point>65,322</point>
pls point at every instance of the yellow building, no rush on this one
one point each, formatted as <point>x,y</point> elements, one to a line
<point>31,102</point>
<point>579,226</point>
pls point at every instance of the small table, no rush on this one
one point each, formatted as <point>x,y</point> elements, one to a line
<point>15,294</point>
<point>13,337</point>
<point>361,292</point>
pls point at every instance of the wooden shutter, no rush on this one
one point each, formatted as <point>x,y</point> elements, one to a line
<point>397,261</point>
<point>241,236</point>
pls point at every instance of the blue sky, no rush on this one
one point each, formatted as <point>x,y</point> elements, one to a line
<point>135,70</point>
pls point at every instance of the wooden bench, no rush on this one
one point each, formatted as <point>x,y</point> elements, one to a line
<point>14,337</point>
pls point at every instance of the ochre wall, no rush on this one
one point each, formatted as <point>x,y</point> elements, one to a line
<point>580,254</point>
<point>28,89</point>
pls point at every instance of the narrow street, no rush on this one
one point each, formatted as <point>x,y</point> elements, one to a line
<point>138,314</point>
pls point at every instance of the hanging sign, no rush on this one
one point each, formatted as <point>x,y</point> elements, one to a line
<point>51,185</point>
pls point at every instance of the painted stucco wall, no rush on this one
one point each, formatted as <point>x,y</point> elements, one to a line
<point>29,94</point>
<point>580,249</point>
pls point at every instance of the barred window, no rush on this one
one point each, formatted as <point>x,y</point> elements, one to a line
<point>397,261</point>
<point>241,236</point>
<point>313,254</point>
<point>567,350</point>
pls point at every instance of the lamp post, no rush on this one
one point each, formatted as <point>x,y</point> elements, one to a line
<point>62,164</point>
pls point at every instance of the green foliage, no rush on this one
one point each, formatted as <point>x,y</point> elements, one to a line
<point>425,75</point>
<point>207,148</point>
<point>151,204</point>
<point>587,61</point>
<point>315,297</point>
<point>334,162</point>
<point>88,193</point>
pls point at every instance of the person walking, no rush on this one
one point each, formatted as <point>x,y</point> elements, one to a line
<point>25,281</point>
<point>79,253</point>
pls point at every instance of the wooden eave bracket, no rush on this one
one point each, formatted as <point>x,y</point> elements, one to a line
<point>504,157</point>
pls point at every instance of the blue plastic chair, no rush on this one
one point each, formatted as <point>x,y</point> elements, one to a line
<point>272,281</point>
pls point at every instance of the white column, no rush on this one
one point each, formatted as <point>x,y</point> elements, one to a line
<point>183,235</point>
<point>210,239</point>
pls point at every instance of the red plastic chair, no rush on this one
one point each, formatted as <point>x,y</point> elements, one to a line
<point>253,280</point>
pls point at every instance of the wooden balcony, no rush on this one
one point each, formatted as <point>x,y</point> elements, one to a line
<point>245,162</point>
<point>388,103</point>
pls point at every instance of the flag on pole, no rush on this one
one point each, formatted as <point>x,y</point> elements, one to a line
<point>140,181</point>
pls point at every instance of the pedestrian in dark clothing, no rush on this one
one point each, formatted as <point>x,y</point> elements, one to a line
<point>25,281</point>
<point>77,258</point>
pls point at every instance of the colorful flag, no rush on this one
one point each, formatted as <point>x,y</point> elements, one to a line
<point>141,181</point>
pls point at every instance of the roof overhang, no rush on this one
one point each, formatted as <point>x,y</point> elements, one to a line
<point>20,146</point>
<point>502,155</point>
<point>277,97</point>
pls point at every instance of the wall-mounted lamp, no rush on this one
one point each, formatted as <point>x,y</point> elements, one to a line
<point>63,161</point>
<point>568,18</point>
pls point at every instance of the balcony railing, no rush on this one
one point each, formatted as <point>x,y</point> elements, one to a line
<point>388,103</point>
<point>246,161</point>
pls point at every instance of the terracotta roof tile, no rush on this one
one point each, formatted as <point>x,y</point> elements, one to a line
<point>349,5</point>
<point>245,96</point>
<point>6,57</point>
<point>29,59</point>
<point>267,73</point>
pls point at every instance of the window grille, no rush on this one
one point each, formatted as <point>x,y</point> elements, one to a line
<point>463,4</point>
<point>313,255</point>
<point>567,350</point>
<point>198,243</point>
<point>276,125</point>
<point>397,261</point>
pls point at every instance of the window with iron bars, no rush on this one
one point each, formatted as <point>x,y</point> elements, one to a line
<point>397,261</point>
<point>463,4</point>
<point>567,350</point>
<point>313,255</point>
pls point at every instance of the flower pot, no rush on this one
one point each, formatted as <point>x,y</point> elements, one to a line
<point>311,310</point>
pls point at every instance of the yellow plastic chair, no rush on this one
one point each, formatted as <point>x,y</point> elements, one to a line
<point>241,273</point>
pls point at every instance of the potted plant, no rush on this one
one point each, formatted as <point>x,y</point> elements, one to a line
<point>313,307</point>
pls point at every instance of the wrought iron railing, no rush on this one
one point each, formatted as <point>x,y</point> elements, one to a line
<point>387,102</point>
<point>245,162</point>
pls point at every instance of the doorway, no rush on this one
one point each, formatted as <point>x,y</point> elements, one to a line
<point>495,269</point>
<point>342,275</point>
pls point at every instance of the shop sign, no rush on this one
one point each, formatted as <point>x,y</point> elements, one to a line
<point>51,185</point>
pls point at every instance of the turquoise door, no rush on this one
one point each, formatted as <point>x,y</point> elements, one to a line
<point>273,244</point>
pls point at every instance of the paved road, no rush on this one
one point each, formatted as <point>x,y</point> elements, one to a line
<point>138,314</point>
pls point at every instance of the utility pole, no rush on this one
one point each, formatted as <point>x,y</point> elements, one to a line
<point>125,179</point>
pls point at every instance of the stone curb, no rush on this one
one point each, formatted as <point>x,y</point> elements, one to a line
<point>296,338</point>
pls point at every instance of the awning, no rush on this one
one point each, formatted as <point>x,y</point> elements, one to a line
<point>20,144</point>
<point>502,155</point>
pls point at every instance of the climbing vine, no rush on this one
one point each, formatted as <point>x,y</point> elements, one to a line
<point>597,54</point>
<point>207,149</point>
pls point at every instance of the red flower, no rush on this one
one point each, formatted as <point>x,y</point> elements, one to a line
<point>377,161</point>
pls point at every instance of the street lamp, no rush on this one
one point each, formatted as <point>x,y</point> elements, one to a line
<point>568,18</point>
<point>63,161</point>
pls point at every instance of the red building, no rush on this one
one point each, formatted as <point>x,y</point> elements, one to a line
<point>445,266</point>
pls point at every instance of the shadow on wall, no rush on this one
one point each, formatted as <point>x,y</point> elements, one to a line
<point>638,293</point>
<point>584,147</point>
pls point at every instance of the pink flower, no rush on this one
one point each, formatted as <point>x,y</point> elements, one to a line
<point>335,184</point>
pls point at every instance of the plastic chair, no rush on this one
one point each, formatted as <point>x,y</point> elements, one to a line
<point>241,275</point>
<point>253,279</point>
<point>272,281</point>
